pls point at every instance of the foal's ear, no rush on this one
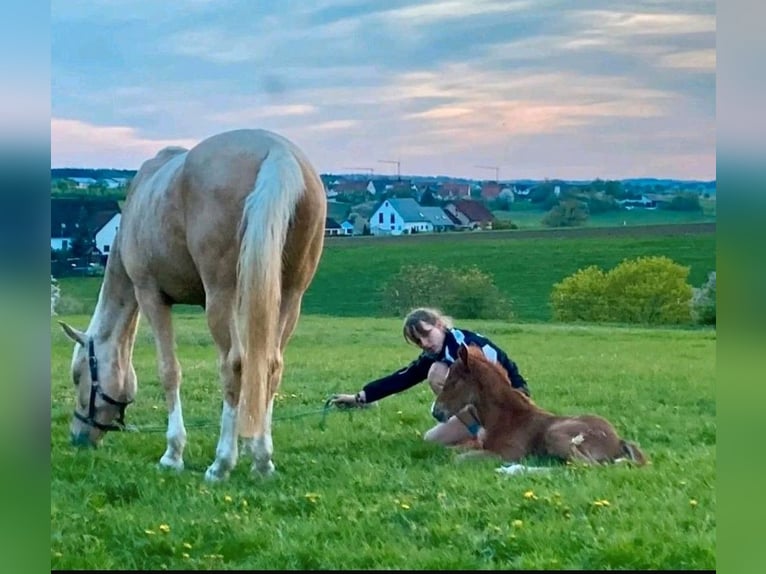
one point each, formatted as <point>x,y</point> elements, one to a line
<point>74,334</point>
<point>462,354</point>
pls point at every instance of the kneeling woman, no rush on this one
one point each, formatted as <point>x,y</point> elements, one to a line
<point>439,340</point>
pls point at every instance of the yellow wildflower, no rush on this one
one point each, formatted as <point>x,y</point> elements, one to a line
<point>227,498</point>
<point>602,502</point>
<point>312,497</point>
<point>405,506</point>
<point>164,528</point>
<point>530,495</point>
<point>693,502</point>
<point>149,531</point>
<point>187,545</point>
<point>517,523</point>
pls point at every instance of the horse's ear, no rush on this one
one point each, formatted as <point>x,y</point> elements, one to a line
<point>74,334</point>
<point>462,354</point>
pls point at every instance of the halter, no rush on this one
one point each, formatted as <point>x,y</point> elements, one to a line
<point>473,426</point>
<point>95,390</point>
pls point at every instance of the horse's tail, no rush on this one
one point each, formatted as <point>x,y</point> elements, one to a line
<point>633,452</point>
<point>267,213</point>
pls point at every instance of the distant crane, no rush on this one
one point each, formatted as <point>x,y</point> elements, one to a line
<point>398,166</point>
<point>367,169</point>
<point>493,167</point>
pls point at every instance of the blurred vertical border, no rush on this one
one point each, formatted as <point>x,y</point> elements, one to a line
<point>24,310</point>
<point>741,271</point>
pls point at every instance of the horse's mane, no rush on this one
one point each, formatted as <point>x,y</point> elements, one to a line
<point>494,378</point>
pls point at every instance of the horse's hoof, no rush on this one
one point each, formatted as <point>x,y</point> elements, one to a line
<point>170,463</point>
<point>215,474</point>
<point>265,470</point>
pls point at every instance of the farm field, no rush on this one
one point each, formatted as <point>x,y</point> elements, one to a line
<point>366,492</point>
<point>524,265</point>
<point>528,216</point>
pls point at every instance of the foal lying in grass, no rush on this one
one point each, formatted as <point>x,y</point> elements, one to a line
<point>479,393</point>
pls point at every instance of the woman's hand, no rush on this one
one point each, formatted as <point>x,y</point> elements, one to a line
<point>342,400</point>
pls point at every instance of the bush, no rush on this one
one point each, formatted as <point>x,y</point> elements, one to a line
<point>647,290</point>
<point>703,302</point>
<point>467,293</point>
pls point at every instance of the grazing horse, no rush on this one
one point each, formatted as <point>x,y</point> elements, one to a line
<point>236,225</point>
<point>479,393</point>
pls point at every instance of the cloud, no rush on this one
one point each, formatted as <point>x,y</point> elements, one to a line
<point>444,81</point>
<point>113,146</point>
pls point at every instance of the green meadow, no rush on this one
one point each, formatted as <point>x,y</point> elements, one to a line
<point>360,489</point>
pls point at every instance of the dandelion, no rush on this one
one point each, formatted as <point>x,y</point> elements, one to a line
<point>530,495</point>
<point>185,554</point>
<point>517,523</point>
<point>693,502</point>
<point>405,506</point>
<point>227,498</point>
<point>164,528</point>
<point>187,546</point>
<point>150,532</point>
<point>602,502</point>
<point>244,503</point>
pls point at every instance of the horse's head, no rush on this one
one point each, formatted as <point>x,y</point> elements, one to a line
<point>105,384</point>
<point>462,386</point>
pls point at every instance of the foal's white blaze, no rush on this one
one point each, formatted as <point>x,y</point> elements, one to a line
<point>176,436</point>
<point>226,451</point>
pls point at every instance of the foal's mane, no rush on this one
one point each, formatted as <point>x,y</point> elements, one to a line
<point>493,377</point>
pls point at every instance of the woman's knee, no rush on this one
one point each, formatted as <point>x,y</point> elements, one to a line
<point>437,374</point>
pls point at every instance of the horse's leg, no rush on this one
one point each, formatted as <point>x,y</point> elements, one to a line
<point>263,446</point>
<point>159,316</point>
<point>219,313</point>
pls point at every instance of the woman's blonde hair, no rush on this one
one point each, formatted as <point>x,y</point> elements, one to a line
<point>412,329</point>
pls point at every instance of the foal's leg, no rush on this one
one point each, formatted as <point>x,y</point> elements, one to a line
<point>263,446</point>
<point>159,316</point>
<point>220,321</point>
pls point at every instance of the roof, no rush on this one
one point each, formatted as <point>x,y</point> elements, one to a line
<point>437,216</point>
<point>474,210</point>
<point>330,223</point>
<point>67,213</point>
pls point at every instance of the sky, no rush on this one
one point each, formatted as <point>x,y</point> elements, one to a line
<point>538,89</point>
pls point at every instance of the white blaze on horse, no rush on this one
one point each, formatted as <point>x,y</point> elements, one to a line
<point>236,225</point>
<point>513,427</point>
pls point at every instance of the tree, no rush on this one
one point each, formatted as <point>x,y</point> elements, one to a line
<point>569,213</point>
<point>82,238</point>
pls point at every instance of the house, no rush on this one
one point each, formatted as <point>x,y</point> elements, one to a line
<point>438,218</point>
<point>332,227</point>
<point>396,216</point>
<point>454,190</point>
<point>471,214</point>
<point>100,218</point>
<point>347,228</point>
<point>82,182</point>
<point>106,234</point>
<point>490,190</point>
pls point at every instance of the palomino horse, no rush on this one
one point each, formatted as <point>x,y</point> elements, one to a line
<point>236,225</point>
<point>479,393</point>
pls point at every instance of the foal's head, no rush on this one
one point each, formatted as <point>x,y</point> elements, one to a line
<point>105,384</point>
<point>473,377</point>
<point>466,381</point>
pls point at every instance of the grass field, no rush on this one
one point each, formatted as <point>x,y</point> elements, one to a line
<point>352,271</point>
<point>366,492</point>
